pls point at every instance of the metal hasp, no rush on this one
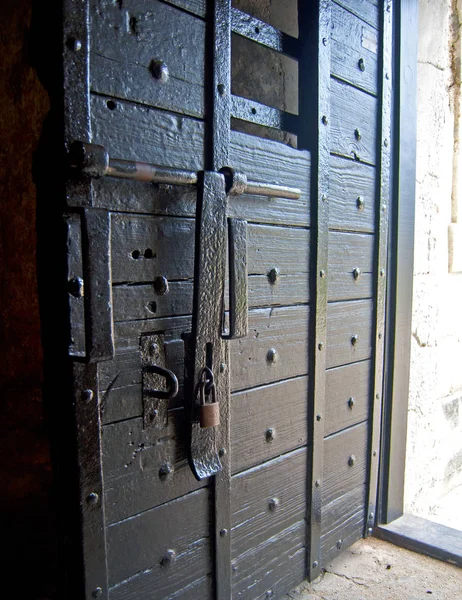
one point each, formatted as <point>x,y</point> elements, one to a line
<point>93,161</point>
<point>209,346</point>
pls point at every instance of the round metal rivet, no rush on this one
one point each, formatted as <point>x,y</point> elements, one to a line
<point>357,135</point>
<point>382,272</point>
<point>223,532</point>
<point>384,207</point>
<point>339,544</point>
<point>92,498</point>
<point>371,515</point>
<point>317,483</point>
<point>318,417</point>
<point>324,197</point>
<point>324,41</point>
<point>168,558</point>
<point>222,367</point>
<point>370,531</point>
<point>87,395</point>
<point>377,396</point>
<point>222,452</point>
<point>273,504</point>
<point>74,44</point>
<point>315,564</point>
<point>374,453</point>
<point>272,355</point>
<point>361,64</point>
<point>161,285</point>
<point>351,460</point>
<point>75,287</point>
<point>269,594</point>
<point>380,336</point>
<point>351,403</point>
<point>387,75</point>
<point>322,273</point>
<point>360,203</point>
<point>356,273</point>
<point>96,593</point>
<point>154,350</point>
<point>385,142</point>
<point>165,470</point>
<point>270,434</point>
<point>325,120</point>
<point>273,275</point>
<point>221,89</point>
<point>159,70</point>
<point>354,339</point>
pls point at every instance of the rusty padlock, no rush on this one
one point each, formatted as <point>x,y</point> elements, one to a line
<point>209,412</point>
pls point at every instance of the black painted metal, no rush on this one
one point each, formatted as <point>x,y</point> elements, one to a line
<point>401,261</point>
<point>384,199</point>
<point>314,23</point>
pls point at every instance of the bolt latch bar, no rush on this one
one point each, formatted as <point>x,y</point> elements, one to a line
<point>93,160</point>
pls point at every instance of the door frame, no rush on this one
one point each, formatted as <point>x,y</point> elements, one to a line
<point>394,525</point>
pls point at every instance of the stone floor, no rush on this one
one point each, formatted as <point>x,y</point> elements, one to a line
<point>376,570</point>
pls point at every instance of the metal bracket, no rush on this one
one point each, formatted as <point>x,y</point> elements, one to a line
<point>159,383</point>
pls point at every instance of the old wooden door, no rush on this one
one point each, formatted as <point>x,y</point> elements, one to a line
<point>226,241</point>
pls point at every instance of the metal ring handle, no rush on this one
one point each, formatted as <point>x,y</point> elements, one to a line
<point>171,379</point>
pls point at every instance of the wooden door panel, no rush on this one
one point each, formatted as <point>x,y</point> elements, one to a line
<point>367,10</point>
<point>348,396</point>
<point>267,500</point>
<point>351,195</point>
<point>351,266</point>
<point>281,407</point>
<point>354,50</point>
<point>353,123</point>
<point>129,40</point>
<point>137,548</point>
<point>345,320</point>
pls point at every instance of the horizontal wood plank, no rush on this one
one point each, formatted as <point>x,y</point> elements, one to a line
<point>276,566</point>
<point>348,392</point>
<point>353,118</point>
<point>282,407</point>
<point>349,252</point>
<point>345,462</point>
<point>140,543</point>
<point>129,40</point>
<point>354,50</point>
<point>345,320</point>
<point>351,195</point>
<point>365,9</point>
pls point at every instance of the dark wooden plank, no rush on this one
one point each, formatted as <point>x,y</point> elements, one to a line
<point>351,266</point>
<point>144,585</point>
<point>365,9</point>
<point>345,320</point>
<point>134,463</point>
<point>196,7</point>
<point>282,407</point>
<point>144,248</point>
<point>282,329</point>
<point>273,568</point>
<point>354,50</point>
<point>141,543</point>
<point>268,499</point>
<point>342,523</point>
<point>351,195</point>
<point>353,123</point>
<point>345,462</point>
<point>127,42</point>
<point>425,537</point>
<point>348,396</point>
<point>288,289</point>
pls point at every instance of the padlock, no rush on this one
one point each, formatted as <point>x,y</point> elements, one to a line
<point>209,412</point>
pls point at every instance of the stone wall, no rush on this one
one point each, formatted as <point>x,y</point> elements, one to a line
<point>434,446</point>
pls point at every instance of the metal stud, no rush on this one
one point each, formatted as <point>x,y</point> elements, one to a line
<point>273,504</point>
<point>159,70</point>
<point>165,470</point>
<point>92,498</point>
<point>75,287</point>
<point>317,483</point>
<point>270,434</point>
<point>351,460</point>
<point>351,403</point>
<point>324,197</point>
<point>269,594</point>
<point>385,143</point>
<point>382,272</point>
<point>318,417</point>
<point>325,120</point>
<point>272,355</point>
<point>161,285</point>
<point>223,532</point>
<point>315,564</point>
<point>273,275</point>
<point>339,544</point>
<point>74,44</point>
<point>221,452</point>
<point>168,558</point>
<point>356,273</point>
<point>360,203</point>
<point>357,134</point>
<point>322,273</point>
<point>320,346</point>
<point>87,395</point>
<point>221,89</point>
<point>361,65</point>
<point>96,593</point>
<point>354,339</point>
